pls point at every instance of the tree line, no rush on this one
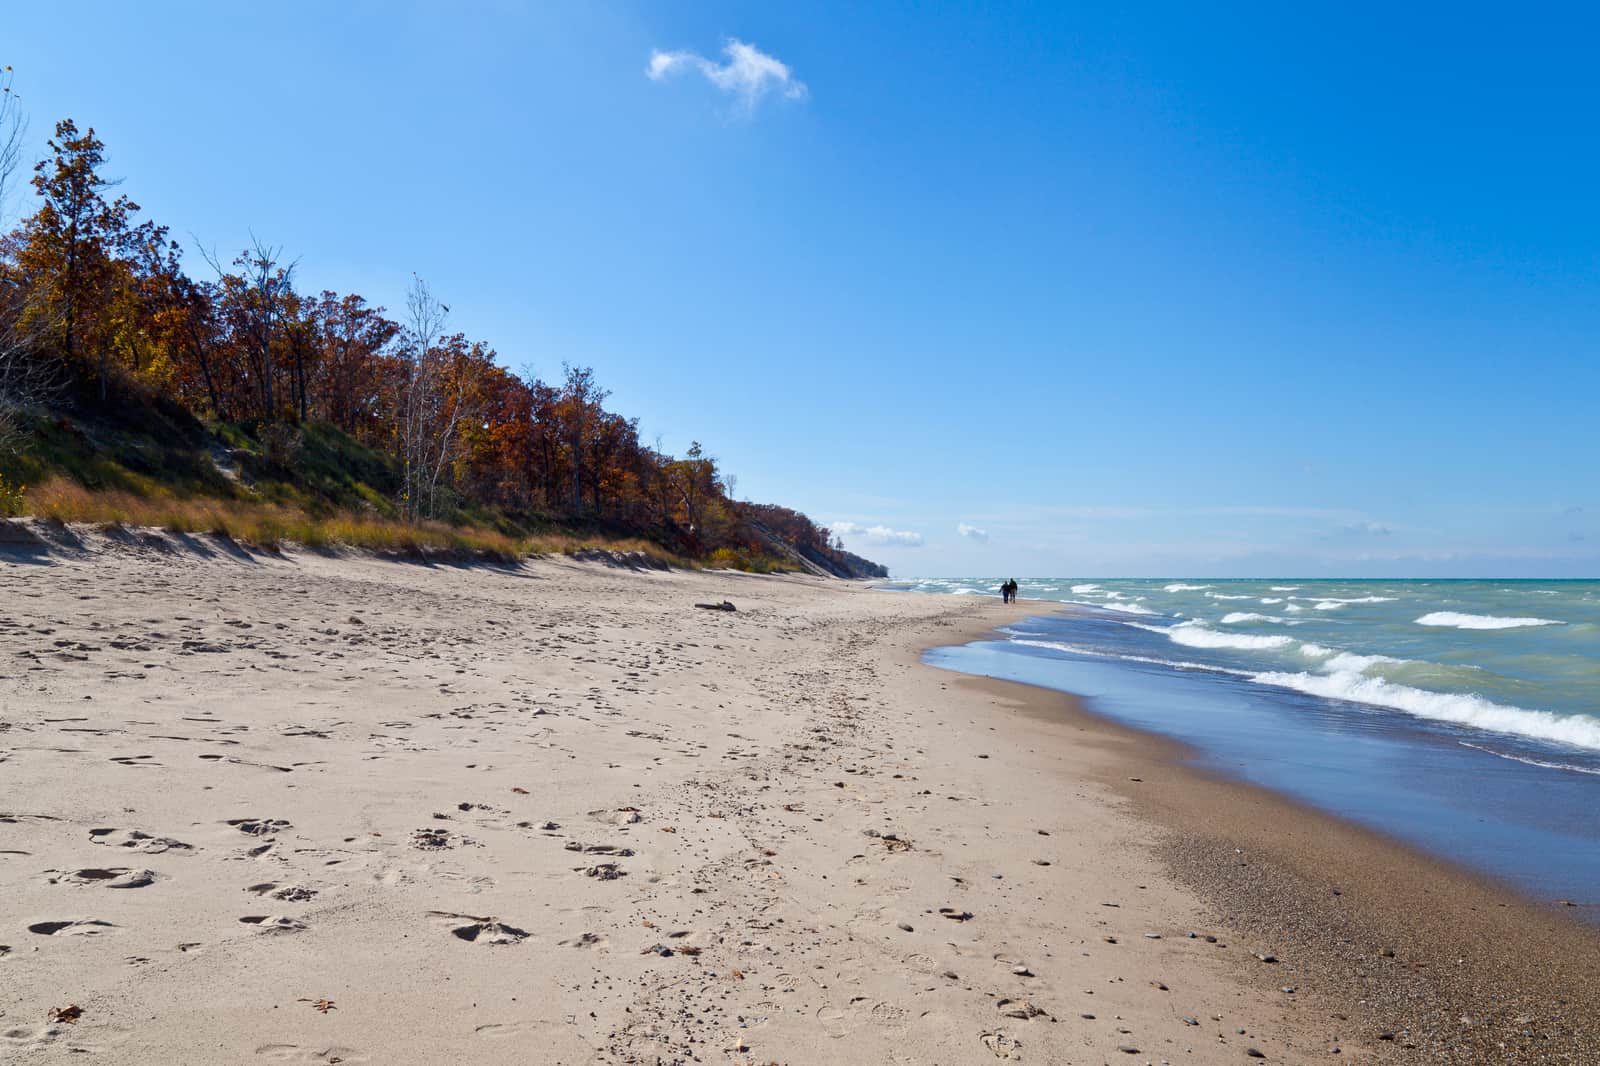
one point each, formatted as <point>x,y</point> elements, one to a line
<point>98,308</point>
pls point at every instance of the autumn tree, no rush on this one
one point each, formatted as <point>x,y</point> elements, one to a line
<point>25,379</point>
<point>73,248</point>
<point>578,408</point>
<point>352,367</point>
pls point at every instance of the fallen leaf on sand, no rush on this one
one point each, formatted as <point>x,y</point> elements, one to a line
<point>322,1006</point>
<point>69,1014</point>
<point>519,791</point>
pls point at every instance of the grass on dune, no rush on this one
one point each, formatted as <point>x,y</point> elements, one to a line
<point>269,525</point>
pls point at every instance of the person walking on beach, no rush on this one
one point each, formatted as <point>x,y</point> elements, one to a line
<point>1005,592</point>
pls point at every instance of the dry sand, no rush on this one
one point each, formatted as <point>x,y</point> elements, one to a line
<point>338,809</point>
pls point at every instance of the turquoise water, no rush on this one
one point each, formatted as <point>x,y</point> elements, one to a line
<point>1463,716</point>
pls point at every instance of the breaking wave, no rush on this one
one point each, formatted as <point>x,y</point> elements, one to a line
<point>1194,635</point>
<point>1457,620</point>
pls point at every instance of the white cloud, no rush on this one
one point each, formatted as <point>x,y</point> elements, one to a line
<point>1367,529</point>
<point>878,534</point>
<point>749,74</point>
<point>973,533</point>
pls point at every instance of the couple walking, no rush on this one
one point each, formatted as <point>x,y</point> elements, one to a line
<point>1008,591</point>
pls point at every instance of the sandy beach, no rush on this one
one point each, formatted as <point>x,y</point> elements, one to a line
<point>322,808</point>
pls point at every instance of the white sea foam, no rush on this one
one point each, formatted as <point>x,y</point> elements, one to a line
<point>1240,617</point>
<point>1186,588</point>
<point>1195,635</point>
<point>1121,608</point>
<point>1530,761</point>
<point>1081,589</point>
<point>1225,596</point>
<point>1293,607</point>
<point>1350,599</point>
<point>1464,709</point>
<point>1481,621</point>
<point>1272,599</point>
<point>1284,588</point>
<point>1178,664</point>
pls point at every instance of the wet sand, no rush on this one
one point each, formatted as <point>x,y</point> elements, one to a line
<point>325,809</point>
<point>1417,958</point>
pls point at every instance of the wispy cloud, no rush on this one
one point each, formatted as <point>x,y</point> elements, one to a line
<point>1367,529</point>
<point>972,533</point>
<point>879,534</point>
<point>748,75</point>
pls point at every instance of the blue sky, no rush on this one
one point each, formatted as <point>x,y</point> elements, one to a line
<point>1169,290</point>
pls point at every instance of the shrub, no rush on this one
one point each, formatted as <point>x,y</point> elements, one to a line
<point>282,445</point>
<point>13,498</point>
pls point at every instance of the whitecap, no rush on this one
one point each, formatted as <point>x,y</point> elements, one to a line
<point>1177,664</point>
<point>1465,709</point>
<point>1186,588</point>
<point>1348,599</point>
<point>1121,608</point>
<point>1225,596</point>
<point>1240,617</point>
<point>1081,589</point>
<point>1195,635</point>
<point>1284,588</point>
<point>1481,621</point>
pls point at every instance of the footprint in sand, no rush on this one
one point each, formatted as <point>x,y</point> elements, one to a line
<point>586,940</point>
<point>112,877</point>
<point>601,849</point>
<point>286,893</point>
<point>1002,1045</point>
<point>475,930</point>
<point>73,927</point>
<point>274,923</point>
<point>605,871</point>
<point>137,840</point>
<point>259,827</point>
<point>298,1053</point>
<point>837,1022</point>
<point>889,1014</point>
<point>617,816</point>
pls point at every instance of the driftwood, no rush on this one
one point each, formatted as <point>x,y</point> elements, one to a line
<point>723,606</point>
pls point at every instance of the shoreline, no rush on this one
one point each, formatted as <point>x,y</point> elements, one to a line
<point>1450,961</point>
<point>552,813</point>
